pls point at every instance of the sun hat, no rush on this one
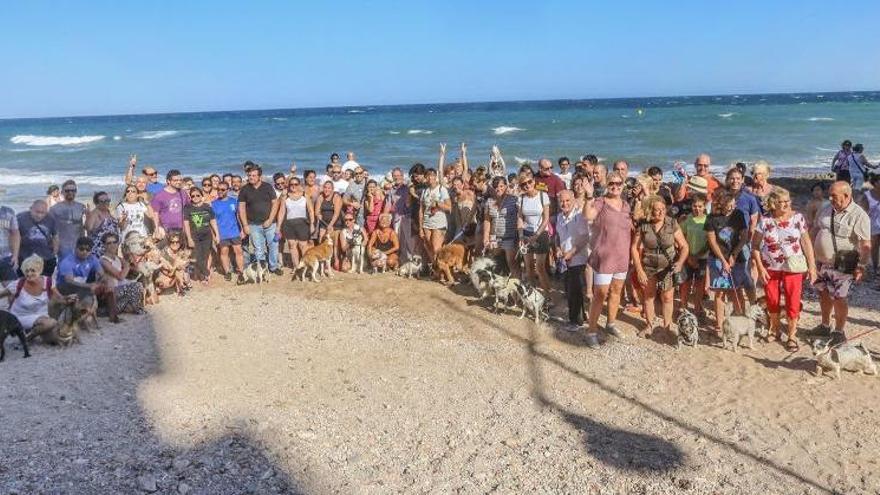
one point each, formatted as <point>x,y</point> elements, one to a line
<point>698,184</point>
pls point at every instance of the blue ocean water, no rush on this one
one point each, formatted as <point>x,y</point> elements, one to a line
<point>796,133</point>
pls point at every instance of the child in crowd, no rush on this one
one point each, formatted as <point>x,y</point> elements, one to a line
<point>693,227</point>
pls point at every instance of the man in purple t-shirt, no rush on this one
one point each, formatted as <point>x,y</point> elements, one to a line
<point>169,202</point>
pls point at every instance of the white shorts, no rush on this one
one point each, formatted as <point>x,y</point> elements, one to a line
<point>605,278</point>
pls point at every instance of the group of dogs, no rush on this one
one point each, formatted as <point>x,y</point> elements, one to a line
<point>503,291</point>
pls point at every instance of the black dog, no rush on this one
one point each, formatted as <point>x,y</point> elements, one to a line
<point>9,324</point>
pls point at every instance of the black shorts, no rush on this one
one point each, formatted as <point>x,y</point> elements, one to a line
<point>295,229</point>
<point>232,241</point>
<point>6,271</point>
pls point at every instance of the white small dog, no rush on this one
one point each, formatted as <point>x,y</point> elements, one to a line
<point>256,272</point>
<point>356,252</point>
<point>532,301</point>
<point>379,260</point>
<point>411,268</point>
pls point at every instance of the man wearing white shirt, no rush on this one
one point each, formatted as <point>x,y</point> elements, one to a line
<point>350,164</point>
<point>573,237</point>
<point>339,184</point>
<point>565,171</point>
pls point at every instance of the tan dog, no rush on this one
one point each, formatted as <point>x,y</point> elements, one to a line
<point>317,258</point>
<point>449,259</point>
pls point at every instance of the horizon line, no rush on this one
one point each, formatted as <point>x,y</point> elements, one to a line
<point>471,102</point>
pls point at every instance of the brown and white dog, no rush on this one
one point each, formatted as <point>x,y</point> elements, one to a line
<point>317,258</point>
<point>450,259</point>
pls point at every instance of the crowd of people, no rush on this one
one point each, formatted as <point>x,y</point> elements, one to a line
<point>616,239</point>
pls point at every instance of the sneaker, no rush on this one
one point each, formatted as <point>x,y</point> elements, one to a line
<point>592,340</point>
<point>612,330</point>
<point>277,271</point>
<point>228,277</point>
<point>572,328</point>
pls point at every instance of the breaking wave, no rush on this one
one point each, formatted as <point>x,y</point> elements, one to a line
<point>31,140</point>
<point>505,130</point>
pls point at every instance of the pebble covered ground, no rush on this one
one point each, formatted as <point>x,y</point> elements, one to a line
<point>313,388</point>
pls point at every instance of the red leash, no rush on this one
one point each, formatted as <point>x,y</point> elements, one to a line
<point>855,337</point>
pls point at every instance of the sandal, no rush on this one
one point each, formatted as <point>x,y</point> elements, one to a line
<point>792,345</point>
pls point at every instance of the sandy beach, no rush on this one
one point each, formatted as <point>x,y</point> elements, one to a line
<point>312,388</point>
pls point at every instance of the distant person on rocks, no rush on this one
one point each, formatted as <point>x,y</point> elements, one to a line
<point>39,236</point>
<point>858,167</point>
<point>840,164</point>
<point>168,203</point>
<point>69,218</point>
<point>842,246</point>
<point>10,243</point>
<point>258,212</point>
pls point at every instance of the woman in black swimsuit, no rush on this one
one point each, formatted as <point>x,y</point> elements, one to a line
<point>329,219</point>
<point>384,239</point>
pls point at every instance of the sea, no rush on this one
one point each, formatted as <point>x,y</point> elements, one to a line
<point>797,133</point>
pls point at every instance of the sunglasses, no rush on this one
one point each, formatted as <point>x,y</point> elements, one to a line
<point>195,195</point>
<point>222,189</point>
<point>615,183</point>
<point>349,219</point>
<point>702,165</point>
<point>104,201</point>
<point>131,191</point>
<point>152,174</point>
<point>174,241</point>
<point>527,182</point>
<point>84,249</point>
<point>70,190</point>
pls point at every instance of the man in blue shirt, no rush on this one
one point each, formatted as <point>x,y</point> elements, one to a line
<point>226,214</point>
<point>747,203</point>
<point>80,273</point>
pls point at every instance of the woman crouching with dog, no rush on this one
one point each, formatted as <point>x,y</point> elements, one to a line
<point>383,245</point>
<point>654,246</point>
<point>782,252</point>
<point>29,298</point>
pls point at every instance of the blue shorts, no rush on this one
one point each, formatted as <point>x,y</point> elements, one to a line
<point>740,278</point>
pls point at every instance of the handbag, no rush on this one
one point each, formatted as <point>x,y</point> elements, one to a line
<point>796,263</point>
<point>844,261</point>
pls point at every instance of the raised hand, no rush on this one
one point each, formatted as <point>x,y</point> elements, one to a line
<point>132,161</point>
<point>463,149</point>
<point>292,167</point>
<point>443,149</point>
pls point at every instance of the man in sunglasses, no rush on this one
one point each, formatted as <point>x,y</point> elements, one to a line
<point>701,164</point>
<point>69,217</point>
<point>258,212</point>
<point>150,174</point>
<point>39,236</point>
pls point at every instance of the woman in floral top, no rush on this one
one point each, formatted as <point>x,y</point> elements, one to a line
<point>782,251</point>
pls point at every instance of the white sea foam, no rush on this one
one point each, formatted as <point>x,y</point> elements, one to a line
<point>355,111</point>
<point>825,149</point>
<point>820,96</point>
<point>820,119</point>
<point>500,130</point>
<point>419,131</point>
<point>279,119</point>
<point>522,161</point>
<point>726,115</point>
<point>19,178</point>
<point>394,132</point>
<point>31,140</point>
<point>156,134</point>
<point>117,138</point>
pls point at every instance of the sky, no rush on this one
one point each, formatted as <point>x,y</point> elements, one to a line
<point>66,58</point>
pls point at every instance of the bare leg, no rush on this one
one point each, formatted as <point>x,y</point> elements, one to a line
<point>614,299</point>
<point>840,311</point>
<point>543,278</point>
<point>600,292</point>
<point>719,310</point>
<point>510,255</point>
<point>650,291</point>
<point>826,304</point>
<point>666,298</point>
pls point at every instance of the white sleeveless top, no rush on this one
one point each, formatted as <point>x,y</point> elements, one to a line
<point>296,208</point>
<point>27,307</point>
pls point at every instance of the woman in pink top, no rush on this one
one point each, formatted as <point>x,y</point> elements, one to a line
<point>612,230</point>
<point>374,199</point>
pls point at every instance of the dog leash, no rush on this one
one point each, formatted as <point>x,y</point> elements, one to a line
<point>857,336</point>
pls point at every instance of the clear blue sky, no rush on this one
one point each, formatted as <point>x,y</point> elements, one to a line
<point>94,58</point>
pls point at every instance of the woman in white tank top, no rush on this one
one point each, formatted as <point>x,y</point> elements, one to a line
<point>298,220</point>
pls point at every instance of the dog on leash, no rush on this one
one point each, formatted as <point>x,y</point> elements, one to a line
<point>532,301</point>
<point>505,291</point>
<point>317,259</point>
<point>357,252</point>
<point>735,327</point>
<point>9,325</point>
<point>256,272</point>
<point>688,329</point>
<point>411,268</point>
<point>449,259</point>
<point>847,356</point>
<point>379,260</point>
<point>482,274</point>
